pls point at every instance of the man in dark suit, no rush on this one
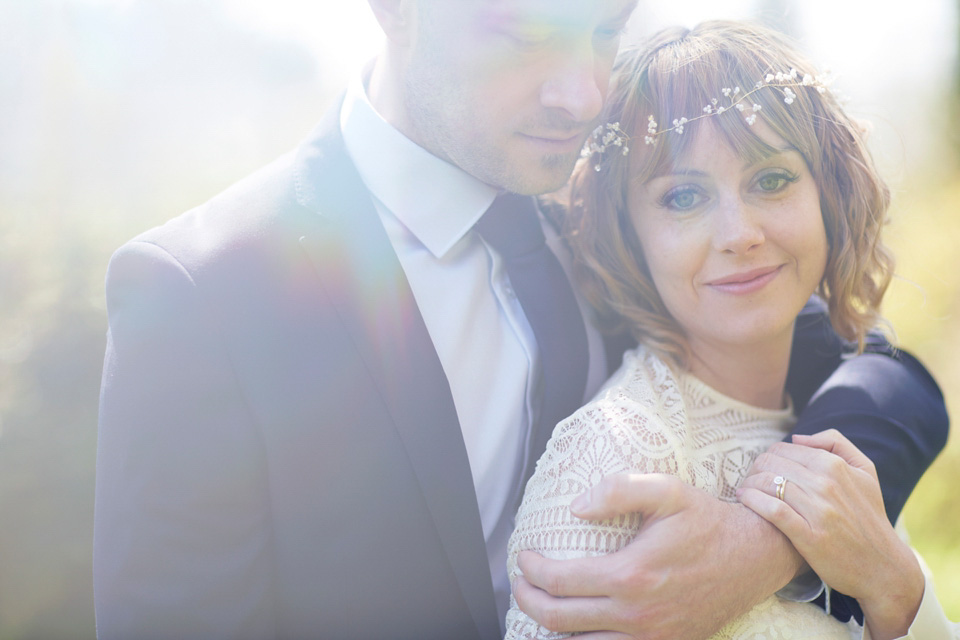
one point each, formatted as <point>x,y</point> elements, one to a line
<point>324,388</point>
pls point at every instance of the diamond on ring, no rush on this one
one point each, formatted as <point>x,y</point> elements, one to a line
<point>781,484</point>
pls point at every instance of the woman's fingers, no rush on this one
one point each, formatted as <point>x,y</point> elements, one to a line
<point>777,512</point>
<point>834,442</point>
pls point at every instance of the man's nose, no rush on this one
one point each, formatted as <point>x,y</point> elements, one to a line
<point>577,85</point>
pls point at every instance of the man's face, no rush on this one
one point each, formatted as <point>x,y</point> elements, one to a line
<point>508,90</point>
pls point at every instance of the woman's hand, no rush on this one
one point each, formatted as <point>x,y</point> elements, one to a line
<point>831,509</point>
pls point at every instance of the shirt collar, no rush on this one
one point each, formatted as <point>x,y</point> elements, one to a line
<point>435,200</point>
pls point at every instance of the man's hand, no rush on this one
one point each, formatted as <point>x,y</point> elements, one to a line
<point>695,564</point>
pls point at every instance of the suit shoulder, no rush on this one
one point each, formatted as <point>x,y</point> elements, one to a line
<point>248,212</point>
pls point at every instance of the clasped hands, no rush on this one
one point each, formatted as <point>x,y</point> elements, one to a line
<point>698,562</point>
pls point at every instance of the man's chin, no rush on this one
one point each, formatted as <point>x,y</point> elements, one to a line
<point>543,175</point>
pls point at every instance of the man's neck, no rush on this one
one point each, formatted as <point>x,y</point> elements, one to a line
<point>385,91</point>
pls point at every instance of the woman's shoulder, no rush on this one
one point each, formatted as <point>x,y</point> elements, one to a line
<point>644,378</point>
<point>636,422</point>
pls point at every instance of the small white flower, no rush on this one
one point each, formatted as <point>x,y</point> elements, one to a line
<point>736,91</point>
<point>788,95</point>
<point>793,73</point>
<point>726,91</point>
<point>769,78</point>
<point>741,106</point>
<point>751,119</point>
<point>720,110</point>
<point>807,80</point>
<point>626,150</point>
<point>759,84</point>
<point>596,167</point>
<point>757,107</point>
<point>779,77</point>
<point>646,140</point>
<point>715,101</point>
<point>708,109</point>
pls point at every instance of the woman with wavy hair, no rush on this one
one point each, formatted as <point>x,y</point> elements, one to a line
<point>728,187</point>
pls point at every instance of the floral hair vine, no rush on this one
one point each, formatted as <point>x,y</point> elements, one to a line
<point>603,137</point>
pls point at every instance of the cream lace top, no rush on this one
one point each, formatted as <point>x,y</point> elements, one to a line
<point>650,419</point>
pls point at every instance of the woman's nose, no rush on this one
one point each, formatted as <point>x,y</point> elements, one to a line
<point>738,227</point>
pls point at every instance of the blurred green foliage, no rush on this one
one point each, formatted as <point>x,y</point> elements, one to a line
<point>924,306</point>
<point>119,120</point>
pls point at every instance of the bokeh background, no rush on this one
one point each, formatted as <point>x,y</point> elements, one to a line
<point>116,115</point>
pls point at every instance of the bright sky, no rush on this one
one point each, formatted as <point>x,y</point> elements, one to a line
<point>867,45</point>
<point>893,61</point>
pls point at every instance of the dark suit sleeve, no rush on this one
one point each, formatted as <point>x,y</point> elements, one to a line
<point>883,401</point>
<point>181,544</point>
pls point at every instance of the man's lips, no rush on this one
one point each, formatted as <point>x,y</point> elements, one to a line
<point>558,141</point>
<point>746,281</point>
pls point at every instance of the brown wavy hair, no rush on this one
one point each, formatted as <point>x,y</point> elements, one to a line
<point>675,74</point>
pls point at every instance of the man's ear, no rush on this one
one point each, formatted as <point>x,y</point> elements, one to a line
<point>396,18</point>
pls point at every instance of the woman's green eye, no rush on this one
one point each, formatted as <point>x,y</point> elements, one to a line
<point>776,181</point>
<point>772,182</point>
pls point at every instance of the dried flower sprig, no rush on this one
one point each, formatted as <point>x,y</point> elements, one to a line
<point>602,138</point>
<point>785,82</point>
<point>611,135</point>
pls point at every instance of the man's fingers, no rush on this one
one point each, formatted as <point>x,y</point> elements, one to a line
<point>650,494</point>
<point>564,615</point>
<point>566,578</point>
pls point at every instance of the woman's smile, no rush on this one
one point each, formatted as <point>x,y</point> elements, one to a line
<point>745,282</point>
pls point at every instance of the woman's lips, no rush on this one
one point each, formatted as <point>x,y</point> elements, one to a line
<point>746,281</point>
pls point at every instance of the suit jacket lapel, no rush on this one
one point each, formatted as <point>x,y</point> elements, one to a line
<point>365,282</point>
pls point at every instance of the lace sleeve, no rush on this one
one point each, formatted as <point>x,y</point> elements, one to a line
<point>617,433</point>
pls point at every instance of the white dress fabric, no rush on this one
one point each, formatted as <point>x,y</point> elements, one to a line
<point>651,419</point>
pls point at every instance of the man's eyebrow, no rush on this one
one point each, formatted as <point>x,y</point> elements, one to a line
<point>495,17</point>
<point>501,16</point>
<point>624,15</point>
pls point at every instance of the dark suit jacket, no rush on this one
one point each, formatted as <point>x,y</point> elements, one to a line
<point>279,454</point>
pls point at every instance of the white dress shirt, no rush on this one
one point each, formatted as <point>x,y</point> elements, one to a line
<point>485,344</point>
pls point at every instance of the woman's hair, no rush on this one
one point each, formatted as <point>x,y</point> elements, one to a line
<point>675,75</point>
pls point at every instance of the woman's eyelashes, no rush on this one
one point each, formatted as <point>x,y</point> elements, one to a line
<point>682,198</point>
<point>686,197</point>
<point>775,180</point>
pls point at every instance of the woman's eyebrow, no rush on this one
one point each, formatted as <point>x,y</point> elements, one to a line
<point>679,171</point>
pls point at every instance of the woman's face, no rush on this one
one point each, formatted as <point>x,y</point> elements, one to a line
<point>734,249</point>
